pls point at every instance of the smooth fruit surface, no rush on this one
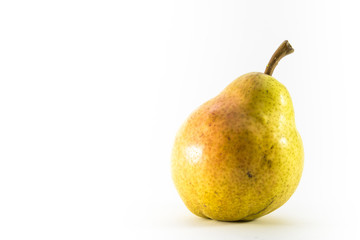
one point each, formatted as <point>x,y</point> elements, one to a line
<point>239,155</point>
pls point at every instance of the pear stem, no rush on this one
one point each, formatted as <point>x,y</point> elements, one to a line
<point>284,49</point>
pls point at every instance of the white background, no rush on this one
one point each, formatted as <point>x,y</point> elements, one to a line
<point>93,92</point>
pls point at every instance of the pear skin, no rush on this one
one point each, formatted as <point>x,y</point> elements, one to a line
<point>239,156</point>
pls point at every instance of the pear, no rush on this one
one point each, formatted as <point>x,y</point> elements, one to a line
<point>239,156</point>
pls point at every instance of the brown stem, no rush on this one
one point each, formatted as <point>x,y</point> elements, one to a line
<point>283,50</point>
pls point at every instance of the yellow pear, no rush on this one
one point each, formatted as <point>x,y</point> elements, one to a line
<point>239,156</point>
